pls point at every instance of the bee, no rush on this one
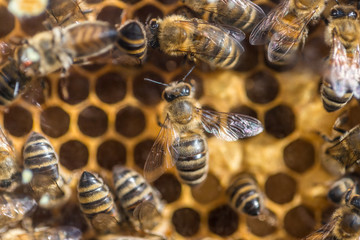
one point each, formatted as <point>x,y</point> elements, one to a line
<point>65,12</point>
<point>41,160</point>
<point>9,168</point>
<point>13,208</point>
<point>176,35</point>
<point>341,77</point>
<point>182,136</point>
<point>139,200</point>
<point>344,223</point>
<point>284,29</point>
<point>27,8</point>
<point>245,196</point>
<point>242,14</point>
<point>339,188</point>
<point>97,203</point>
<point>50,51</point>
<point>58,233</point>
<point>132,39</point>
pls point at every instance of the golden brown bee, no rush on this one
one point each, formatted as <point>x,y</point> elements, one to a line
<point>243,14</point>
<point>97,203</point>
<point>342,75</point>
<point>339,188</point>
<point>41,160</point>
<point>344,223</point>
<point>13,208</point>
<point>58,233</point>
<point>27,8</point>
<point>50,51</point>
<point>139,200</point>
<point>245,196</point>
<point>9,168</point>
<point>65,12</point>
<point>182,136</point>
<point>197,39</point>
<point>132,40</point>
<point>284,29</point>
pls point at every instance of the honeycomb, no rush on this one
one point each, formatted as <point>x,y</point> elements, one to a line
<point>102,115</point>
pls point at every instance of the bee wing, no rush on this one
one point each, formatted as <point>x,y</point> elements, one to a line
<point>260,32</point>
<point>322,232</point>
<point>6,143</point>
<point>47,185</point>
<point>104,221</point>
<point>156,163</point>
<point>67,233</point>
<point>147,214</point>
<point>229,126</point>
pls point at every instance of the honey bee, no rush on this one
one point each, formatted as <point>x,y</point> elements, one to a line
<point>344,223</point>
<point>139,200</point>
<point>339,188</point>
<point>58,233</point>
<point>9,168</point>
<point>13,208</point>
<point>97,203</point>
<point>27,8</point>
<point>41,160</point>
<point>50,51</point>
<point>242,14</point>
<point>342,75</point>
<point>65,12</point>
<point>197,39</point>
<point>284,29</point>
<point>245,195</point>
<point>132,39</point>
<point>182,136</point>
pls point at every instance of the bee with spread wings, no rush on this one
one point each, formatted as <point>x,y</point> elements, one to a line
<point>342,74</point>
<point>176,35</point>
<point>182,136</point>
<point>284,29</point>
<point>243,14</point>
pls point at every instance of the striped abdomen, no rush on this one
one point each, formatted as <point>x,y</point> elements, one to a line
<point>192,162</point>
<point>131,188</point>
<point>89,39</point>
<point>12,82</point>
<point>284,40</point>
<point>132,39</point>
<point>216,47</point>
<point>331,101</point>
<point>245,196</point>
<point>94,197</point>
<point>40,157</point>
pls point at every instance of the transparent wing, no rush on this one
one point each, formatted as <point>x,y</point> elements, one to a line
<point>339,67</point>
<point>322,232</point>
<point>6,144</point>
<point>105,222</point>
<point>44,184</point>
<point>229,126</point>
<point>259,33</point>
<point>354,78</point>
<point>148,215</point>
<point>157,161</point>
<point>66,233</point>
<point>284,39</point>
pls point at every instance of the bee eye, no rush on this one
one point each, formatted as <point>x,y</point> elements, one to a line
<point>153,24</point>
<point>169,97</point>
<point>185,91</point>
<point>352,14</point>
<point>337,13</point>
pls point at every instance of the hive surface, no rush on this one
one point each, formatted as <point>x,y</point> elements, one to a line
<point>109,118</point>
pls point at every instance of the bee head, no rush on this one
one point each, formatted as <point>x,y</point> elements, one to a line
<point>28,59</point>
<point>153,29</point>
<point>341,12</point>
<point>176,90</point>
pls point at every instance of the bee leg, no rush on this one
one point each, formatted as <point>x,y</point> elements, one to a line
<point>159,122</point>
<point>327,139</point>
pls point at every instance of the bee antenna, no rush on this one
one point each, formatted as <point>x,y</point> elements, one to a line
<point>160,83</point>
<point>184,78</point>
<point>337,2</point>
<point>148,19</point>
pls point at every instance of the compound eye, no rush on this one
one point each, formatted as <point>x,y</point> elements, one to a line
<point>352,14</point>
<point>337,13</point>
<point>153,24</point>
<point>185,91</point>
<point>169,97</point>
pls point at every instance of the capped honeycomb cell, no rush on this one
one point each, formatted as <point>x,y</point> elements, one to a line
<point>111,153</point>
<point>141,152</point>
<point>38,92</point>
<point>93,121</point>
<point>261,87</point>
<point>264,225</point>
<point>186,221</point>
<point>223,221</point>
<point>74,88</point>
<point>18,121</point>
<point>73,154</point>
<point>33,25</point>
<point>243,109</point>
<point>299,155</point>
<point>9,19</point>
<point>146,92</point>
<point>130,121</point>
<point>110,87</point>
<point>299,221</point>
<point>211,186</point>
<point>54,121</point>
<point>169,187</point>
<point>111,14</point>
<point>280,121</point>
<point>280,188</point>
<point>144,12</point>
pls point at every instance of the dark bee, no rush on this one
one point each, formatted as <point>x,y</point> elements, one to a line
<point>9,167</point>
<point>13,208</point>
<point>97,203</point>
<point>55,233</point>
<point>339,188</point>
<point>182,136</point>
<point>46,182</point>
<point>197,39</point>
<point>132,39</point>
<point>139,200</point>
<point>245,196</point>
